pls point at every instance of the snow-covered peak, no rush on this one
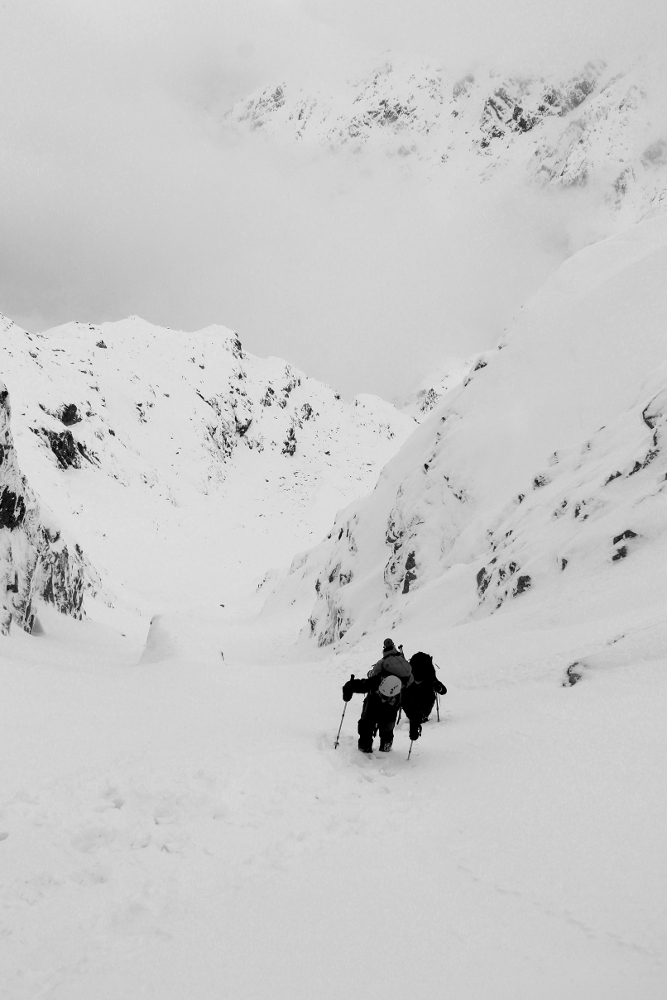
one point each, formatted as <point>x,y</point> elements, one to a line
<point>134,433</point>
<point>599,128</point>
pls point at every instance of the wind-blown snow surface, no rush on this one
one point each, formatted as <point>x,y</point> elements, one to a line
<point>176,823</point>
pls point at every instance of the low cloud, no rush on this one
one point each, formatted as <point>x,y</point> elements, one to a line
<point>120,195</point>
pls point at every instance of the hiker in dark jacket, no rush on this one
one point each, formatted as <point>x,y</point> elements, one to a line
<point>383,687</point>
<point>419,698</point>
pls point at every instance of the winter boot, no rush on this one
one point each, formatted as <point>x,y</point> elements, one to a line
<point>365,747</point>
<point>386,745</point>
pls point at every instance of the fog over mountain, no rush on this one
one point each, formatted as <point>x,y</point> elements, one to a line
<point>124,197</point>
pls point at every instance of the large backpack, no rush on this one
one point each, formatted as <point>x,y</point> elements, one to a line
<point>422,668</point>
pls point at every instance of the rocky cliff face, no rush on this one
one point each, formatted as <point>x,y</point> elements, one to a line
<point>598,130</point>
<point>36,563</point>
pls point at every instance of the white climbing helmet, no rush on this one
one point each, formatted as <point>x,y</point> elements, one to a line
<point>389,687</point>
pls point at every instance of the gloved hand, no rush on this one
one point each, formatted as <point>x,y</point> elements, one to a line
<point>440,687</point>
<point>415,730</point>
<point>348,690</point>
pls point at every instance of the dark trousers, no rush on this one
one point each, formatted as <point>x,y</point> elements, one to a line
<point>377,716</point>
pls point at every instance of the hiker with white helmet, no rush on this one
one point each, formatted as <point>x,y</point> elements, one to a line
<point>383,688</point>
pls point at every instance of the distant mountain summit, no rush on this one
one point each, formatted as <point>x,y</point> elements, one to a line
<point>598,128</point>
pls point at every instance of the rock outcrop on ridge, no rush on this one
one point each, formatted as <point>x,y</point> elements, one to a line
<point>36,562</point>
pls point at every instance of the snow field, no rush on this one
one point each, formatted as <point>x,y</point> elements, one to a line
<point>185,828</point>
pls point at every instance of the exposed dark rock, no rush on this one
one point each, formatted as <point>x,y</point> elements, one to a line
<point>563,563</point>
<point>540,481</point>
<point>69,415</point>
<point>523,583</point>
<point>620,553</point>
<point>573,674</point>
<point>67,451</point>
<point>64,447</point>
<point>243,424</point>
<point>12,509</point>
<point>289,444</point>
<point>628,533</point>
<point>614,475</point>
<point>483,580</point>
<point>100,343</point>
<point>410,574</point>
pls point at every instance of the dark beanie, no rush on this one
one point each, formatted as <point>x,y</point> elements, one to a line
<point>388,644</point>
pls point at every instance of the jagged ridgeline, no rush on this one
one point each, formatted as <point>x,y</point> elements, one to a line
<point>35,560</point>
<point>143,439</point>
<point>544,473</point>
<point>596,129</point>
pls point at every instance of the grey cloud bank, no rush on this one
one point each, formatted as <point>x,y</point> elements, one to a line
<point>120,196</point>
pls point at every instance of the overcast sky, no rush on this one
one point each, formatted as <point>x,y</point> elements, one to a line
<point>117,197</point>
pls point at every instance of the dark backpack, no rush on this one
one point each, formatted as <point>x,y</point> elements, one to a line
<point>422,668</point>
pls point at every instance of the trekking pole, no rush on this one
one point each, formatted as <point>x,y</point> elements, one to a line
<point>398,720</point>
<point>341,720</point>
<point>437,705</point>
<point>410,750</point>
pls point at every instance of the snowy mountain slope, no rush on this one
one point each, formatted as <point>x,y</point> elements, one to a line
<point>601,129</point>
<point>430,391</point>
<point>37,562</point>
<point>545,466</point>
<point>161,442</point>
